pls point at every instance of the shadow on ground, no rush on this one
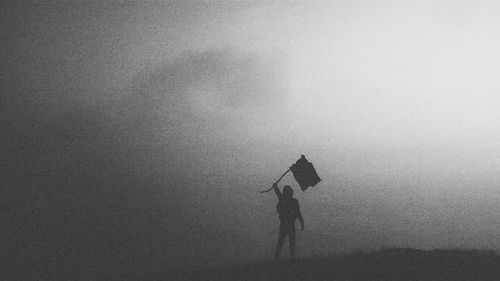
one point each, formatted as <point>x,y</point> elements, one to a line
<point>388,264</point>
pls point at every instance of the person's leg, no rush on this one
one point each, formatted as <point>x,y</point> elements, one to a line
<point>291,240</point>
<point>281,240</point>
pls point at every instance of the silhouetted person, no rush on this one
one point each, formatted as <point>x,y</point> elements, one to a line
<point>288,210</point>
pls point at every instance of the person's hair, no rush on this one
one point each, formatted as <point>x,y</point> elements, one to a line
<point>287,191</point>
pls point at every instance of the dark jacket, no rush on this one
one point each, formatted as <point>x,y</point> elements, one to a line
<point>288,209</point>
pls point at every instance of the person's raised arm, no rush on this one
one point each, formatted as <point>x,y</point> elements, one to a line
<point>276,190</point>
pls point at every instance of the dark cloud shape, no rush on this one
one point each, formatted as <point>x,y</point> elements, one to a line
<point>205,91</point>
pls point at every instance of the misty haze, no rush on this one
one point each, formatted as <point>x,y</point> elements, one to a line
<point>136,136</point>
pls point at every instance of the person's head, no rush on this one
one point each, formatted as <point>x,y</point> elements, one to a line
<point>287,191</point>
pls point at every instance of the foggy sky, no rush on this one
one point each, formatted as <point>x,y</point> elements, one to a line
<point>136,137</point>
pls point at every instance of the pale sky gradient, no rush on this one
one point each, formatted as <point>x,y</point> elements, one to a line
<point>145,131</point>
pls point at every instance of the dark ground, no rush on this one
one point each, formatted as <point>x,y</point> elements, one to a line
<point>401,264</point>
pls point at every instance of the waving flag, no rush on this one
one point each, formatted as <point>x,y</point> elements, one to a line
<point>303,172</point>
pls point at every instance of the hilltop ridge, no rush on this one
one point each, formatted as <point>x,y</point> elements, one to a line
<point>385,264</point>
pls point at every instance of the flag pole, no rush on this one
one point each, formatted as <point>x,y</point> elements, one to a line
<point>276,181</point>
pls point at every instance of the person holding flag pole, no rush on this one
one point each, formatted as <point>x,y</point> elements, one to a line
<point>288,207</point>
<point>288,210</point>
